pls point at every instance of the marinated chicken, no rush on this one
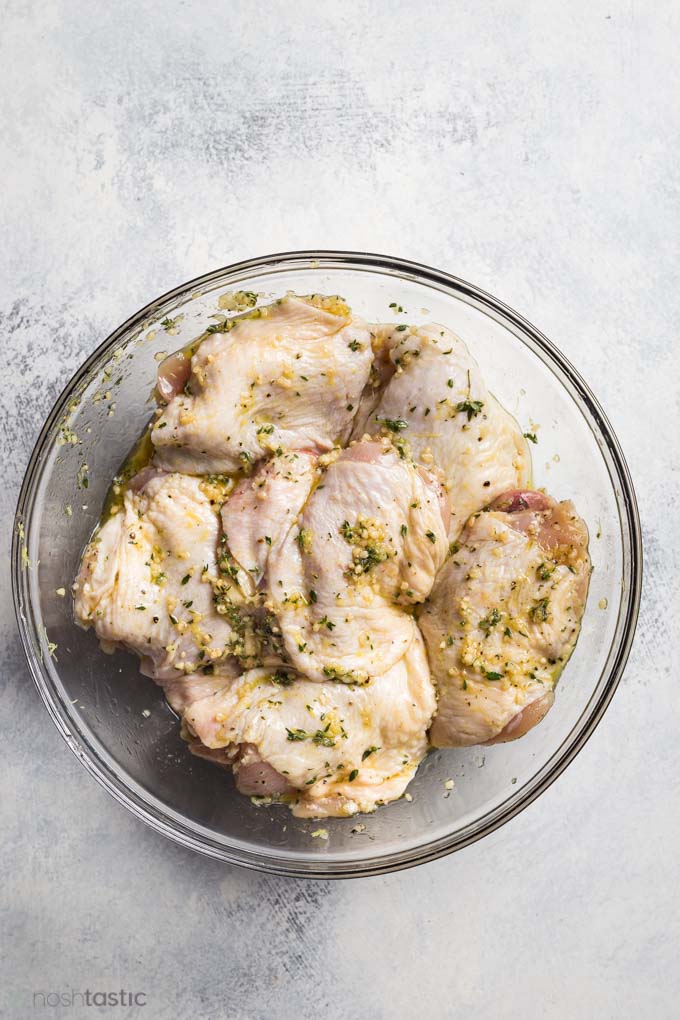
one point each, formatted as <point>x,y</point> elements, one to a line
<point>367,546</point>
<point>504,616</point>
<point>431,395</point>
<point>328,748</point>
<point>287,375</point>
<point>332,560</point>
<point>145,578</point>
<point>261,512</point>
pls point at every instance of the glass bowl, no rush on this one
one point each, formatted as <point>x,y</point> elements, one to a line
<point>118,723</point>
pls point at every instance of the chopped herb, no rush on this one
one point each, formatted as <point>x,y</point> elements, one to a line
<point>400,446</point>
<point>325,622</point>
<point>267,539</point>
<point>490,621</point>
<point>304,539</point>
<point>431,535</point>
<point>354,345</point>
<point>393,424</point>
<point>322,738</point>
<point>312,595</point>
<point>297,734</point>
<point>404,530</point>
<point>186,579</point>
<point>490,675</point>
<point>265,430</point>
<point>140,607</point>
<point>469,407</point>
<point>222,327</point>
<point>353,774</point>
<point>345,676</point>
<point>543,571</point>
<point>539,611</point>
<point>368,751</point>
<point>531,436</point>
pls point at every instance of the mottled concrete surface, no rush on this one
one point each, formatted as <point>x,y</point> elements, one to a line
<point>532,148</point>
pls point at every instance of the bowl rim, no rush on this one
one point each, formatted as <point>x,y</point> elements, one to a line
<point>177,830</point>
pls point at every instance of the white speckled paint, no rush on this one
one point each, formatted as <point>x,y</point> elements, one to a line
<point>531,148</point>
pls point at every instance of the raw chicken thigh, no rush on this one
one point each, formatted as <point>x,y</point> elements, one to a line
<point>145,578</point>
<point>328,748</point>
<point>436,402</point>
<point>261,511</point>
<point>290,565</point>
<point>367,545</point>
<point>504,616</point>
<point>285,375</point>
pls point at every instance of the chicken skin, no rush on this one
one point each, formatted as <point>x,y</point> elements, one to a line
<point>287,375</point>
<point>332,559</point>
<point>366,547</point>
<point>504,616</point>
<point>327,748</point>
<point>145,582</point>
<point>434,399</point>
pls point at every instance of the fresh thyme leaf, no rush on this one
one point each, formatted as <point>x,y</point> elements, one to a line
<point>369,751</point>
<point>489,621</point>
<point>491,675</point>
<point>297,734</point>
<point>469,407</point>
<point>539,611</point>
<point>393,424</point>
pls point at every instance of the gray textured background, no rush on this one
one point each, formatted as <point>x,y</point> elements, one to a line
<point>532,148</point>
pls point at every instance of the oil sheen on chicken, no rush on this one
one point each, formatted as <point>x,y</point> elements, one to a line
<point>428,391</point>
<point>287,375</point>
<point>326,748</point>
<point>145,582</point>
<point>366,548</point>
<point>504,616</point>
<point>333,560</point>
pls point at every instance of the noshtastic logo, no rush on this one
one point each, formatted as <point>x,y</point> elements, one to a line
<point>69,999</point>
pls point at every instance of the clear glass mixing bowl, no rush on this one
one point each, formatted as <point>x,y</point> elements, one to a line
<point>118,723</point>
